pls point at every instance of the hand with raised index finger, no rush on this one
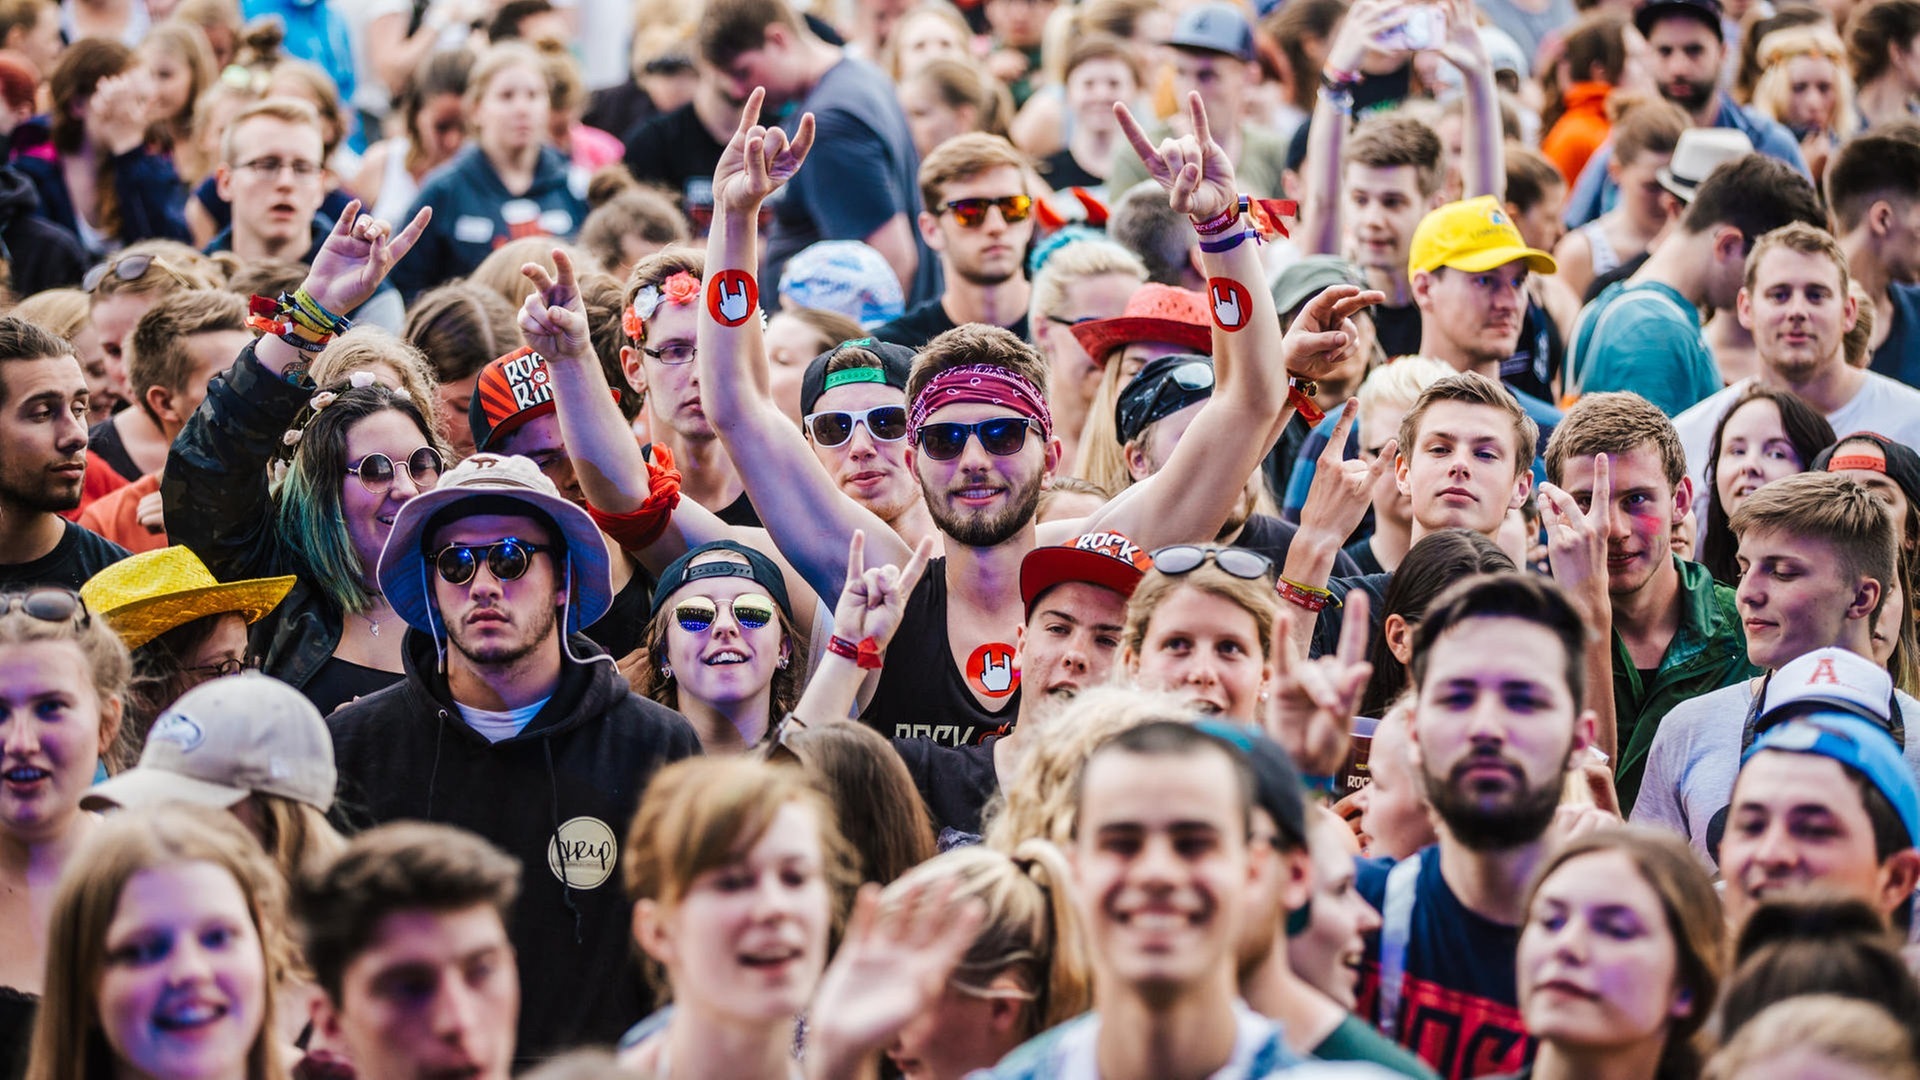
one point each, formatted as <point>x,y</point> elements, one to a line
<point>1342,487</point>
<point>554,319</point>
<point>356,256</point>
<point>1316,343</point>
<point>758,159</point>
<point>1577,541</point>
<point>1193,168</point>
<point>1311,708</point>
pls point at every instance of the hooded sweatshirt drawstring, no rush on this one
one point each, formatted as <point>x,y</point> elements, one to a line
<point>566,882</point>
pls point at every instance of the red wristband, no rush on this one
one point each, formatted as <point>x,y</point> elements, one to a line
<point>1299,597</point>
<point>866,654</point>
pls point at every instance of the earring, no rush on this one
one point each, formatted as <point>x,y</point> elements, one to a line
<point>781,664</point>
<point>666,671</point>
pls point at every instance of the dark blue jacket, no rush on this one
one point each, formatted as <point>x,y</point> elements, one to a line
<point>153,202</point>
<point>473,213</point>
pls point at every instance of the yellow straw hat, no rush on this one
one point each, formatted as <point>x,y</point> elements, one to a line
<point>148,594</point>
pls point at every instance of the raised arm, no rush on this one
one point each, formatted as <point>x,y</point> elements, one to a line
<point>868,615</point>
<point>809,518</point>
<point>1204,477</point>
<point>215,485</point>
<point>1320,207</point>
<point>1483,166</point>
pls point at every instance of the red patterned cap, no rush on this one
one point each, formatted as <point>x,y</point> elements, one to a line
<point>510,391</point>
<point>1106,559</point>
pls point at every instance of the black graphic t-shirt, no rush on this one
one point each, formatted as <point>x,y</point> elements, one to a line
<point>921,694</point>
<point>1458,1000</point>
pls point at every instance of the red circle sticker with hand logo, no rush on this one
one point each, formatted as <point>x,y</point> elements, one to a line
<point>1229,302</point>
<point>991,669</point>
<point>732,297</point>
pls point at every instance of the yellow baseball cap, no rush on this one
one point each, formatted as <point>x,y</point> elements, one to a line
<point>1473,235</point>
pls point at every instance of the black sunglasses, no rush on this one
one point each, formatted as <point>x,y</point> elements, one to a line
<point>886,423</point>
<point>1002,436</point>
<point>48,604</point>
<point>1186,558</point>
<point>971,212</point>
<point>507,560</point>
<point>376,471</point>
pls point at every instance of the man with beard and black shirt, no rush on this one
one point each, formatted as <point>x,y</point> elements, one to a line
<point>981,441</point>
<point>512,724</point>
<point>1499,721</point>
<point>978,219</point>
<point>43,427</point>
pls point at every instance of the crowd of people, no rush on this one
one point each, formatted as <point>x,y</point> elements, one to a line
<point>1117,539</point>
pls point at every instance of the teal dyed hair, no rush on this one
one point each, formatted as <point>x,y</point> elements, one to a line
<point>308,510</point>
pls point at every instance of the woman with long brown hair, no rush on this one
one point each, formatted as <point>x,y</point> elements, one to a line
<point>89,160</point>
<point>158,958</point>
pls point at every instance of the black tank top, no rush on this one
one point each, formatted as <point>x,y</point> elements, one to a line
<point>921,694</point>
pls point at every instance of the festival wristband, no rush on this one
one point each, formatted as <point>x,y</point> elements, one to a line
<point>1304,596</point>
<point>1223,220</point>
<point>1300,395</point>
<point>866,654</point>
<point>1220,244</point>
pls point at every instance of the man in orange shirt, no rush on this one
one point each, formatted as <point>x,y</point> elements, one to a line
<point>174,350</point>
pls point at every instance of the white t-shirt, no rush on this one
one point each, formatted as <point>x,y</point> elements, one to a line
<point>496,726</point>
<point>1883,405</point>
<point>1696,755</point>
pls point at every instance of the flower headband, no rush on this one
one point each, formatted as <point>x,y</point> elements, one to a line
<point>358,380</point>
<point>680,288</point>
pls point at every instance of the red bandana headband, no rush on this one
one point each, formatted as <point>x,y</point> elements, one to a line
<point>680,288</point>
<point>980,384</point>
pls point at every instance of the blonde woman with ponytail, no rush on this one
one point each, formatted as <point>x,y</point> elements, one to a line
<point>1025,971</point>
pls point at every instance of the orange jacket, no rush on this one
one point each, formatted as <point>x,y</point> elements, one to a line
<point>1581,129</point>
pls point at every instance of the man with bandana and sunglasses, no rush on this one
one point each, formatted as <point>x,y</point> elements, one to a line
<point>979,221</point>
<point>980,436</point>
<point>512,724</point>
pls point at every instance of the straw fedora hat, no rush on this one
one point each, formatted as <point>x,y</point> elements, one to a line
<point>148,594</point>
<point>1155,312</point>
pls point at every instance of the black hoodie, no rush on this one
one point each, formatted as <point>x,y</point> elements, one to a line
<point>40,255</point>
<point>576,772</point>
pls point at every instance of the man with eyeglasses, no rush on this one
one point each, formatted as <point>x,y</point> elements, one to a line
<point>512,412</point>
<point>979,220</point>
<point>512,724</point>
<point>271,172</point>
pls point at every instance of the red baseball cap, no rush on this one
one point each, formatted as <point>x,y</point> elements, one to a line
<point>1106,559</point>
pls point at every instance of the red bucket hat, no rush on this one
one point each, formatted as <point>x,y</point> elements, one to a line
<point>1153,313</point>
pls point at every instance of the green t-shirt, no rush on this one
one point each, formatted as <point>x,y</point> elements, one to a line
<point>1353,1040</point>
